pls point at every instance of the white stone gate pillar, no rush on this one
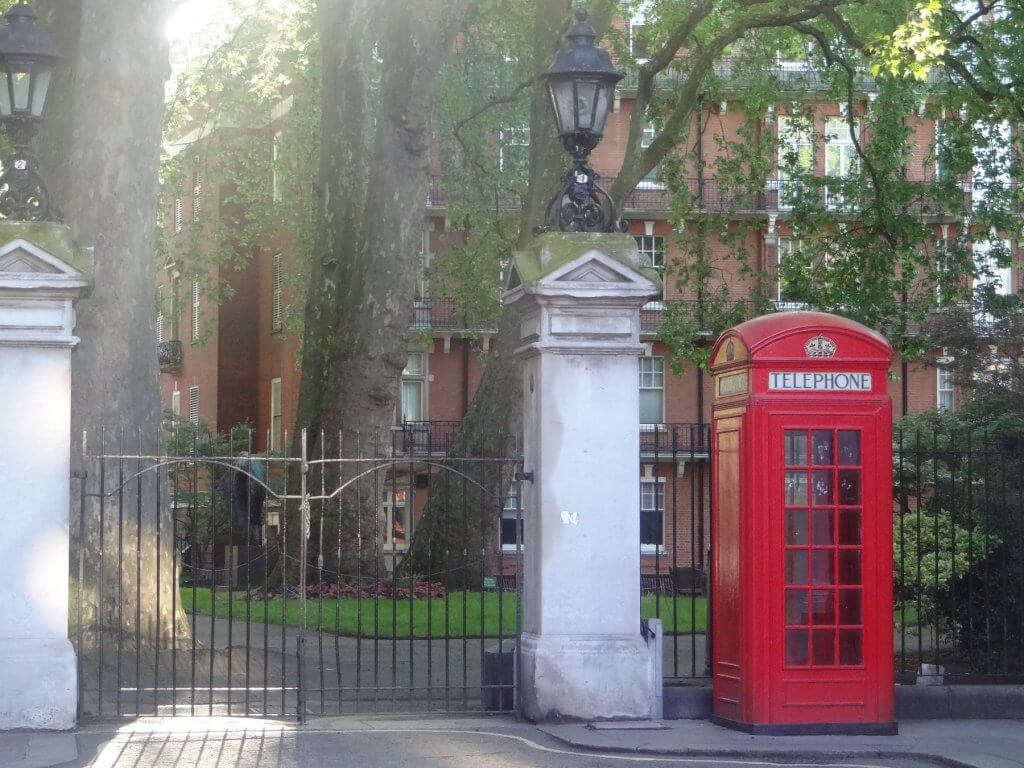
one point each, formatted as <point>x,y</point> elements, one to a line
<point>41,275</point>
<point>579,299</point>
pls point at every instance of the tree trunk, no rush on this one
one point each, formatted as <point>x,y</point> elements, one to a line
<point>357,346</point>
<point>100,156</point>
<point>493,422</point>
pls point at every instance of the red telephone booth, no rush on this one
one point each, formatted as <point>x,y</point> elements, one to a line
<point>802,527</point>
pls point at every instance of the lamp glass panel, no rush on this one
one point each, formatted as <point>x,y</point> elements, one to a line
<point>40,89</point>
<point>5,94</point>
<point>604,102</point>
<point>21,79</point>
<point>586,101</point>
<point>563,103</point>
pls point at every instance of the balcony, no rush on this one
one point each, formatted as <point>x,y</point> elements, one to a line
<point>431,314</point>
<point>425,438</point>
<point>675,441</point>
<point>169,355</point>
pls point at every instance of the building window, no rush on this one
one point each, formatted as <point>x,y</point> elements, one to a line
<point>795,157</point>
<point>275,415</point>
<point>944,388</point>
<point>652,390</point>
<point>511,533</point>
<point>652,512</point>
<point>196,305</point>
<point>788,247</point>
<point>197,196</point>
<point>639,41</point>
<point>177,215</point>
<point>414,385</point>
<point>514,150</point>
<point>650,179</point>
<point>396,515</point>
<point>841,159</point>
<point>176,309</point>
<point>277,291</point>
<point>275,173</point>
<point>652,250</point>
<point>989,258</point>
<point>176,403</point>
<point>193,405</point>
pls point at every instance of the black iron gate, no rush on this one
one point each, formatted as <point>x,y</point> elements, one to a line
<point>222,581</point>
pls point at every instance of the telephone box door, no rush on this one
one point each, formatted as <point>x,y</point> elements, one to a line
<point>828,503</point>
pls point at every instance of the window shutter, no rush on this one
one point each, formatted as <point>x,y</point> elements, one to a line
<point>197,196</point>
<point>193,405</point>
<point>196,297</point>
<point>160,315</point>
<point>277,281</point>
<point>177,215</point>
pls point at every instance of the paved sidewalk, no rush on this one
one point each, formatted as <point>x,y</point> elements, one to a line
<point>962,743</point>
<point>497,742</point>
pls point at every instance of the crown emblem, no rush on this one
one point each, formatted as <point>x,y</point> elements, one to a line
<point>820,346</point>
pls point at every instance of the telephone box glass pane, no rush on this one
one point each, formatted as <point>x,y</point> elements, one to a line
<point>824,569</point>
<point>849,526</point>
<point>849,606</point>
<point>850,647</point>
<point>824,533</point>
<point>849,486</point>
<point>823,447</point>
<point>796,567</point>
<point>796,448</point>
<point>796,488</point>
<point>796,606</point>
<point>849,566</point>
<point>849,448</point>
<point>796,646</point>
<point>823,607</point>
<point>823,487</point>
<point>824,647</point>
<point>796,526</point>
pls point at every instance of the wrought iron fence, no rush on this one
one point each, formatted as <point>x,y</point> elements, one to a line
<point>675,530</point>
<point>337,579</point>
<point>959,555</point>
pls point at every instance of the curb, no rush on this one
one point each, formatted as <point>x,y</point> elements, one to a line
<point>913,702</point>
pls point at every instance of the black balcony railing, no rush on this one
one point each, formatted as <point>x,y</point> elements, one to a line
<point>443,315</point>
<point>675,439</point>
<point>425,438</point>
<point>169,354</point>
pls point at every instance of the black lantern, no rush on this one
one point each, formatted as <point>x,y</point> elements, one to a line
<point>28,58</point>
<point>581,83</point>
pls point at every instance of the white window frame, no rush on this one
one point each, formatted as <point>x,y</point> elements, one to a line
<point>658,484</point>
<point>511,509</point>
<point>513,137</point>
<point>785,247</point>
<point>983,262</point>
<point>419,379</point>
<point>275,155</point>
<point>193,404</point>
<point>839,143</point>
<point>649,381</point>
<point>197,299</point>
<point>276,431</point>
<point>397,498</point>
<point>794,134</point>
<point>651,249</point>
<point>176,402</point>
<point>650,181</point>
<point>944,387</point>
<point>276,293</point>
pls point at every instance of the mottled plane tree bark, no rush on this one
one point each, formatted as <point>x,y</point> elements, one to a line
<point>100,152</point>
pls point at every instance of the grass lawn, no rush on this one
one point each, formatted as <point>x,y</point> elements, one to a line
<point>387,618</point>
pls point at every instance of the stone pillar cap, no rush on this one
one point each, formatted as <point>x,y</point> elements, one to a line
<point>582,265</point>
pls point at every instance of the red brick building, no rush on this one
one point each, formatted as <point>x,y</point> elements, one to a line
<point>234,361</point>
